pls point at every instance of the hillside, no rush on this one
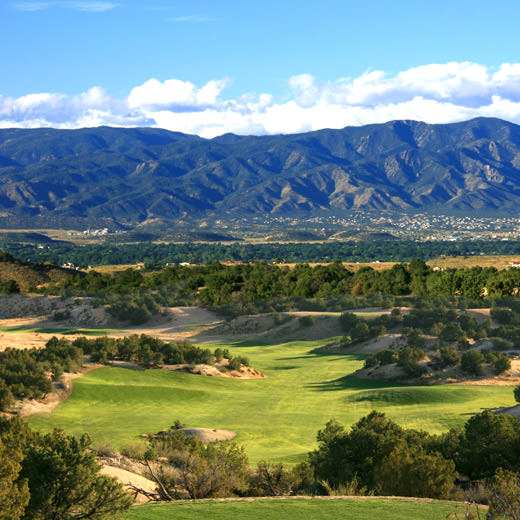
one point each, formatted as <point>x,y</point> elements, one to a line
<point>116,176</point>
<point>29,274</point>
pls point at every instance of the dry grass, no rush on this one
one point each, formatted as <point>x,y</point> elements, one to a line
<point>445,262</point>
<point>113,268</point>
<point>352,266</point>
<point>457,262</point>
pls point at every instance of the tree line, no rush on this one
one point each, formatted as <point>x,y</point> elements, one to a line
<point>200,253</point>
<point>260,287</point>
<point>30,373</point>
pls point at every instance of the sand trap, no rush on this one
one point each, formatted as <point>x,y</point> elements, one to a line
<point>128,478</point>
<point>218,370</point>
<point>510,410</point>
<point>209,435</point>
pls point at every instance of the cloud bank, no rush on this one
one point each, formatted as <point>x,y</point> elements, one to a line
<point>437,93</point>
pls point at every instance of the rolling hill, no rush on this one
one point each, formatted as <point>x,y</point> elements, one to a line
<point>127,176</point>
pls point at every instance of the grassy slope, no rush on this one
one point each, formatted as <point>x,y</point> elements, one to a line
<point>314,509</point>
<point>276,418</point>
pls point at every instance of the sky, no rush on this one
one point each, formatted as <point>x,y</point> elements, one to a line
<point>209,67</point>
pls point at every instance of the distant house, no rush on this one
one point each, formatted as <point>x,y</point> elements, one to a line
<point>140,265</point>
<point>70,265</point>
<point>514,264</point>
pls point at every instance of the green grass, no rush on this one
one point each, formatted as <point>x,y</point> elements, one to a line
<point>276,418</point>
<point>43,330</point>
<point>303,509</point>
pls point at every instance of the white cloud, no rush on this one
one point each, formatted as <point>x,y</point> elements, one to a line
<point>436,93</point>
<point>177,95</point>
<point>88,6</point>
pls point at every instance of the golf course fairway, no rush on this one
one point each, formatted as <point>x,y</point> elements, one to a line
<point>276,418</point>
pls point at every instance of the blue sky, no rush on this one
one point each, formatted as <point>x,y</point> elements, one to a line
<point>210,66</point>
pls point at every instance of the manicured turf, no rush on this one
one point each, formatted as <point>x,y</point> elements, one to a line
<point>302,509</point>
<point>276,418</point>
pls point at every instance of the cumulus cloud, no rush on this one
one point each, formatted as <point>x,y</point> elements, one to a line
<point>437,93</point>
<point>176,95</point>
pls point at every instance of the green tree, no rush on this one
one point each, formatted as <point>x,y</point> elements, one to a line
<point>14,492</point>
<point>410,471</point>
<point>65,483</point>
<point>489,442</point>
<point>516,393</point>
<point>505,496</point>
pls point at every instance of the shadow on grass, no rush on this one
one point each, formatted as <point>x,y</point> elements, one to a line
<point>349,383</point>
<point>47,330</point>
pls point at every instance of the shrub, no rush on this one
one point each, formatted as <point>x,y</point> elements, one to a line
<point>105,449</point>
<point>135,450</point>
<point>502,364</point>
<point>61,315</point>
<point>449,356</point>
<point>452,332</point>
<point>177,425</point>
<point>236,362</point>
<point>387,356</point>
<point>280,319</point>
<point>307,321</point>
<point>500,344</point>
<point>471,362</point>
<point>408,359</point>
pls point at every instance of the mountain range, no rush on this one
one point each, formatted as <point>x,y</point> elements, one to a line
<point>134,175</point>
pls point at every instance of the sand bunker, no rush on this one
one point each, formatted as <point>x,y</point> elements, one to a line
<point>218,370</point>
<point>510,410</point>
<point>128,479</point>
<point>209,435</point>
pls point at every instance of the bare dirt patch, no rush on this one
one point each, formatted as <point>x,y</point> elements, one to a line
<point>276,328</point>
<point>480,314</point>
<point>489,378</point>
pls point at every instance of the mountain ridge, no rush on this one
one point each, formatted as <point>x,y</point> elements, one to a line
<point>130,175</point>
